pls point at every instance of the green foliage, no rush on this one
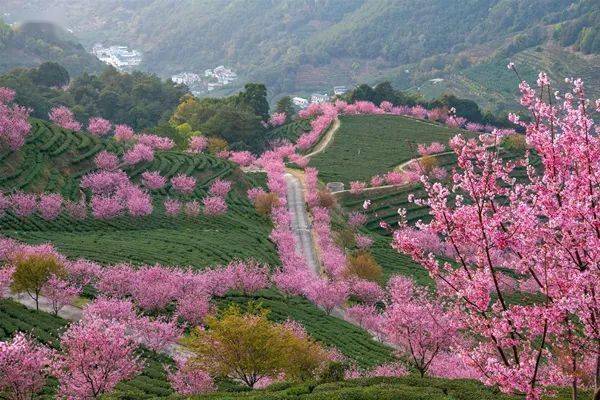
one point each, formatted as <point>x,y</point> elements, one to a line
<point>254,96</point>
<point>365,146</point>
<point>32,272</point>
<point>35,42</point>
<point>285,105</point>
<point>50,74</point>
<point>353,342</point>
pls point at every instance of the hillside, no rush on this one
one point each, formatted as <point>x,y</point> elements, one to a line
<point>31,44</point>
<point>312,45</point>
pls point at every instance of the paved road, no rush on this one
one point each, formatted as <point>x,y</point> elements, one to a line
<point>301,222</point>
<point>72,313</point>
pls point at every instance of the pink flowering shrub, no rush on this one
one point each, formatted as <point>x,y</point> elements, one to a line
<point>242,158</point>
<point>220,188</point>
<point>197,144</point>
<point>138,153</point>
<point>153,180</point>
<point>277,119</point>
<point>187,380</point>
<point>123,133</point>
<point>432,148</point>
<point>367,291</point>
<point>363,242</point>
<point>377,181</point>
<point>255,192</point>
<point>50,206</point>
<point>23,204</point>
<point>14,121</point>
<point>183,184</point>
<point>106,160</point>
<point>64,117</point>
<point>214,205</point>
<point>6,273</point>
<point>357,219</point>
<point>60,293</point>
<point>96,356</point>
<point>357,186</point>
<point>24,367</point>
<point>172,207</point>
<point>155,142</point>
<point>193,307</point>
<point>99,126</point>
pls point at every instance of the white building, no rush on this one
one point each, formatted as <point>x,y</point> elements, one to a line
<point>318,98</point>
<point>300,102</point>
<point>339,90</point>
<point>187,78</point>
<point>120,57</point>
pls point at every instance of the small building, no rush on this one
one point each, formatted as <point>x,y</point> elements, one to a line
<point>300,102</point>
<point>335,186</point>
<point>339,90</point>
<point>319,98</point>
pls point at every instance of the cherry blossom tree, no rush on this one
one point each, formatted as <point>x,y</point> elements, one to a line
<point>197,144</point>
<point>96,356</point>
<point>220,188</point>
<point>138,153</point>
<point>183,184</point>
<point>14,124</point>
<point>277,119</point>
<point>6,273</point>
<point>23,204</point>
<point>542,229</point>
<point>106,160</point>
<point>99,126</point>
<point>172,207</point>
<point>187,380</point>
<point>50,206</point>
<point>64,117</point>
<point>60,293</point>
<point>123,133</point>
<point>24,367</point>
<point>214,205</point>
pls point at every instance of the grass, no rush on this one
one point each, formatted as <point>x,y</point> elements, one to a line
<point>368,145</point>
<point>55,159</point>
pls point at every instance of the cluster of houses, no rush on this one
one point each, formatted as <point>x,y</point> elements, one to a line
<point>211,80</point>
<point>318,98</point>
<point>120,57</point>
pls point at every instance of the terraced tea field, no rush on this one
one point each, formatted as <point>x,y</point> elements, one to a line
<point>367,145</point>
<point>54,160</point>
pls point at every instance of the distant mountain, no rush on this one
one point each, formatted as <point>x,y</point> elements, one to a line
<point>310,45</point>
<point>33,43</point>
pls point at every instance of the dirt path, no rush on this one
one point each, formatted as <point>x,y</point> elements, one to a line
<point>74,314</point>
<point>324,142</point>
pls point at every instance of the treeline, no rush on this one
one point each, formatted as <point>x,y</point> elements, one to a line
<point>137,99</point>
<point>583,33</point>
<point>465,108</point>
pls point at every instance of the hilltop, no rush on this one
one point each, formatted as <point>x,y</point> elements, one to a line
<point>312,45</point>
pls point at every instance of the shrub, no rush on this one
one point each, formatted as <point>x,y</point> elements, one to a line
<point>363,265</point>
<point>265,202</point>
<point>514,142</point>
<point>428,163</point>
<point>217,145</point>
<point>326,199</point>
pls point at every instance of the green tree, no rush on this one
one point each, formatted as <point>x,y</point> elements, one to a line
<point>32,272</point>
<point>285,105</point>
<point>255,97</point>
<point>50,74</point>
<point>248,347</point>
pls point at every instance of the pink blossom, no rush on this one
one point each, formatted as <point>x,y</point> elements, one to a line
<point>328,294</point>
<point>366,291</point>
<point>277,119</point>
<point>197,144</point>
<point>187,380</point>
<point>123,133</point>
<point>153,180</point>
<point>109,309</point>
<point>363,242</point>
<point>254,192</point>
<point>214,205</point>
<point>64,117</point>
<point>242,158</point>
<point>357,219</point>
<point>14,123</point>
<point>193,307</point>
<point>155,142</point>
<point>139,203</point>
<point>60,293</point>
<point>172,207</point>
<point>99,126</point>
<point>106,160</point>
<point>23,204</point>
<point>96,356</point>
<point>386,106</point>
<point>106,207</point>
<point>220,188</point>
<point>138,153</point>
<point>357,186</point>
<point>24,367</point>
<point>156,335</point>
<point>6,273</point>
<point>50,206</point>
<point>432,148</point>
<point>377,181</point>
<point>389,370</point>
<point>183,184</point>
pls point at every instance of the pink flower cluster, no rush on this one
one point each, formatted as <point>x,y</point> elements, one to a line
<point>138,153</point>
<point>197,144</point>
<point>99,126</point>
<point>153,180</point>
<point>106,160</point>
<point>64,117</point>
<point>183,184</point>
<point>155,142</point>
<point>123,133</point>
<point>277,119</point>
<point>14,121</point>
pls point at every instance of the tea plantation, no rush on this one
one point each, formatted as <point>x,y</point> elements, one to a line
<point>54,160</point>
<point>367,145</point>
